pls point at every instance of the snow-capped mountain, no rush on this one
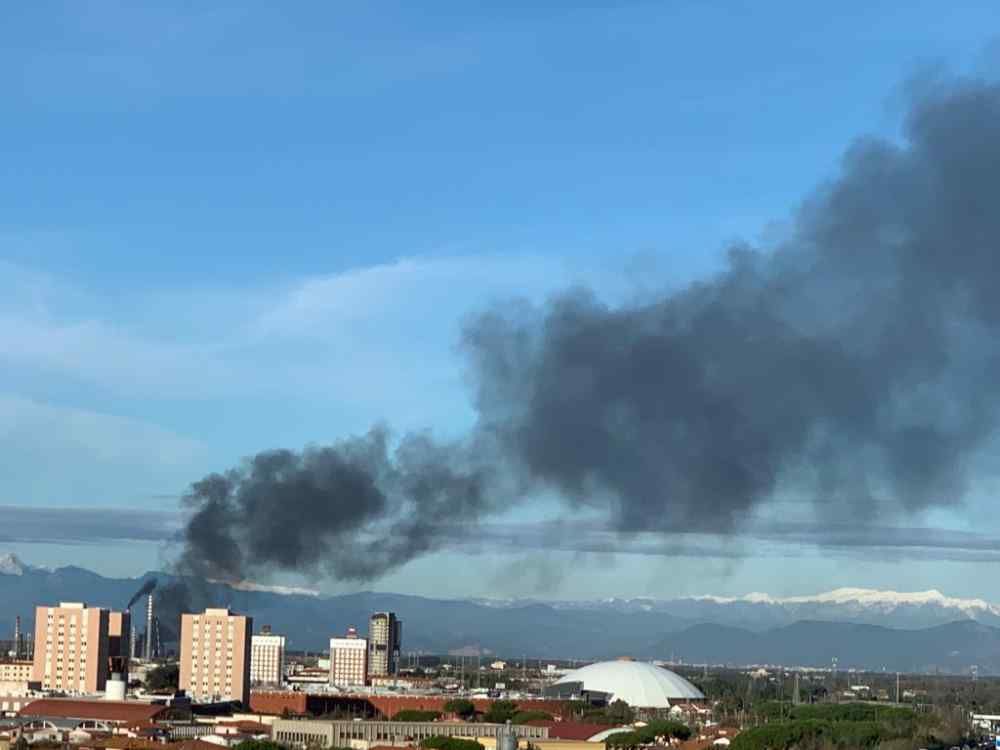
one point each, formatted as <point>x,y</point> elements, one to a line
<point>861,627</point>
<point>883,601</point>
<point>11,565</point>
<point>758,610</point>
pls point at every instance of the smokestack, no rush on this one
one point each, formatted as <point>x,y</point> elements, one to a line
<point>146,588</point>
<point>148,645</point>
<point>17,637</point>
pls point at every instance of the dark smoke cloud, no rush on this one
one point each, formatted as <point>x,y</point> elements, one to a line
<point>354,509</point>
<point>851,366</point>
<point>854,364</point>
<point>146,588</point>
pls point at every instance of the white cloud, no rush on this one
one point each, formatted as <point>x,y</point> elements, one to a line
<point>349,335</point>
<point>56,454</point>
<point>423,286</point>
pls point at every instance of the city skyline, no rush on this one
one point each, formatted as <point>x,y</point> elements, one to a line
<point>219,259</point>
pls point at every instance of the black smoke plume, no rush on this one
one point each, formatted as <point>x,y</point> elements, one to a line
<point>852,366</point>
<point>355,509</point>
<point>147,588</point>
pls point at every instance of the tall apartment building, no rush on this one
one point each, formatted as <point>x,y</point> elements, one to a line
<point>349,660</point>
<point>267,658</point>
<point>383,644</point>
<point>215,656</point>
<point>71,648</point>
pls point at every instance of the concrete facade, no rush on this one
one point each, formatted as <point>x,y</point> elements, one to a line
<point>267,659</point>
<point>349,660</point>
<point>119,643</point>
<point>384,643</point>
<point>215,655</point>
<point>16,671</point>
<point>71,648</point>
<point>300,733</point>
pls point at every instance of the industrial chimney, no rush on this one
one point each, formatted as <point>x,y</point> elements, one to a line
<point>148,645</point>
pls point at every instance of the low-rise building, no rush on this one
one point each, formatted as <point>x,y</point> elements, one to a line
<point>324,734</point>
<point>16,671</point>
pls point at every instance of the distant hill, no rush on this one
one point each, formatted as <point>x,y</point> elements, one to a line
<point>429,625</point>
<point>950,648</point>
<point>693,630</point>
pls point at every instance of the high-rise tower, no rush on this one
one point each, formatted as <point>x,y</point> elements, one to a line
<point>384,631</point>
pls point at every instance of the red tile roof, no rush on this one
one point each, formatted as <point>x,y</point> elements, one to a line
<point>98,710</point>
<point>130,743</point>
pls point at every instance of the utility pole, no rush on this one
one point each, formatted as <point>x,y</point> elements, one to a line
<point>833,678</point>
<point>897,687</point>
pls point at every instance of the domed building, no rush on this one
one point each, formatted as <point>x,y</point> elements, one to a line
<point>640,684</point>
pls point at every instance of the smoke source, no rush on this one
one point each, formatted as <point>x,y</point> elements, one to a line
<point>852,365</point>
<point>147,588</point>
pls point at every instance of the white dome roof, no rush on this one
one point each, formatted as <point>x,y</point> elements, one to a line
<point>638,683</point>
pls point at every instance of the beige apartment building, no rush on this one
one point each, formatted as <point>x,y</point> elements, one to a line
<point>267,658</point>
<point>71,648</point>
<point>349,660</point>
<point>215,656</point>
<point>16,671</point>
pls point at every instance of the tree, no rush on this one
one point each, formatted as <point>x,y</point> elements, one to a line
<point>648,734</point>
<point>617,713</point>
<point>450,743</point>
<point>500,712</point>
<point>163,678</point>
<point>460,707</point>
<point>260,745</point>
<point>620,712</point>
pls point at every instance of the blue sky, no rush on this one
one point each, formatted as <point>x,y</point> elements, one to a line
<point>226,227</point>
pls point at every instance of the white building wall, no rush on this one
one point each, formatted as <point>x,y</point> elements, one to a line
<point>348,661</point>
<point>267,659</point>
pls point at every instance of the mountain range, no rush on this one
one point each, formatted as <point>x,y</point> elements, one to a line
<point>862,628</point>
